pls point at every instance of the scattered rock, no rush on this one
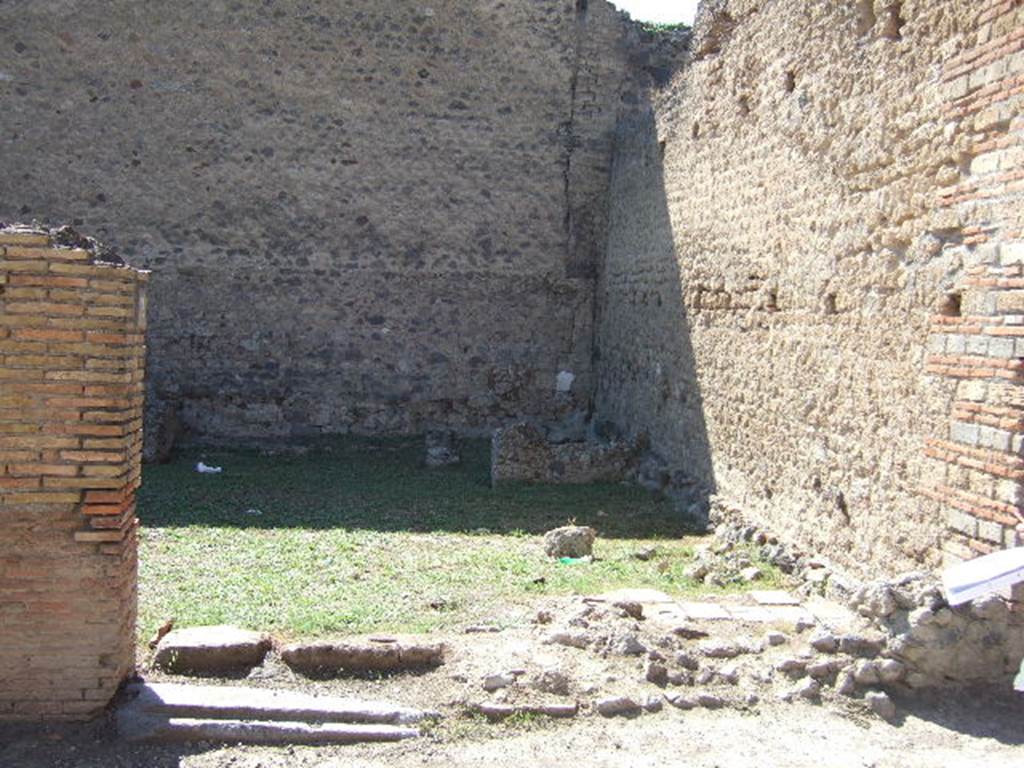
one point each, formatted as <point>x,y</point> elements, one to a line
<point>861,645</point>
<point>543,617</point>
<point>628,645</point>
<point>501,711</point>
<point>552,681</point>
<point>697,571</point>
<point>792,667</point>
<point>680,678</point>
<point>630,608</point>
<point>891,671</point>
<point>211,651</point>
<point>481,629</point>
<point>572,639</point>
<point>845,684</point>
<point>681,701</point>
<point>775,638</point>
<point>653,704</point>
<point>657,674</point>
<point>648,553</point>
<point>716,649</point>
<point>616,706</point>
<point>687,661</point>
<point>705,676</point>
<point>570,541</point>
<point>821,670</point>
<point>865,672</point>
<point>710,701</point>
<point>809,689</point>
<point>729,675</point>
<point>497,682</point>
<point>881,705</point>
<point>824,642</point>
<point>689,633</point>
<point>753,573</point>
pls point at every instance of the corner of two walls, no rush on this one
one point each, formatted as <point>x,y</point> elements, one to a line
<point>792,220</point>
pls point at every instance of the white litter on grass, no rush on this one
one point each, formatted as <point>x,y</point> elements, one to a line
<point>983,575</point>
<point>205,469</point>
<point>254,512</point>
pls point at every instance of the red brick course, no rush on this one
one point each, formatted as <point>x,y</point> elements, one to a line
<point>980,467</point>
<point>71,372</point>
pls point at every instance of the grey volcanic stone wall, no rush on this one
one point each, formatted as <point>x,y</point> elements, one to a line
<point>359,215</point>
<point>788,217</point>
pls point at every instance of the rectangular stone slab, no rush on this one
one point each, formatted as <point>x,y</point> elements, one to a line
<point>773,597</point>
<point>150,730</point>
<point>241,703</point>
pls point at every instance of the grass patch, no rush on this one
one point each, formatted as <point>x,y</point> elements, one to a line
<point>655,27</point>
<point>357,537</point>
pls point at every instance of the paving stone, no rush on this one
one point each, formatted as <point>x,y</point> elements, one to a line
<point>752,613</point>
<point>793,616</point>
<point>665,614</point>
<point>705,611</point>
<point>773,597</point>
<point>642,596</point>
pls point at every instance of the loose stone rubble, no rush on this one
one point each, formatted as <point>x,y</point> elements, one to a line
<point>570,541</point>
<point>924,641</point>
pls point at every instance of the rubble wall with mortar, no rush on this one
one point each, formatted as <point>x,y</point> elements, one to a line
<point>367,216</point>
<point>781,236</point>
<point>71,376</point>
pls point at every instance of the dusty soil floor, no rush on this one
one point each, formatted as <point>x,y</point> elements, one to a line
<point>754,726</point>
<point>948,732</point>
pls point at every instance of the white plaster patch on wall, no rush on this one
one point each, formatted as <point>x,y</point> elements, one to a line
<point>564,380</point>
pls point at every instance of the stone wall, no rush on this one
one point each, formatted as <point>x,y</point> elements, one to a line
<point>71,372</point>
<point>362,215</point>
<point>788,216</point>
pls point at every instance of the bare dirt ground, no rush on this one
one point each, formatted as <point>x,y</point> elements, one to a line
<point>757,722</point>
<point>948,732</point>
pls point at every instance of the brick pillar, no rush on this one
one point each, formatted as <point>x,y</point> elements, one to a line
<point>71,376</point>
<point>978,340</point>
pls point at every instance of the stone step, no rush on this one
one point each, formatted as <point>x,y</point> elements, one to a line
<point>158,712</point>
<point>242,703</point>
<point>142,728</point>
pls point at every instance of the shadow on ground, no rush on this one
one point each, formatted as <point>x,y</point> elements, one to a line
<point>983,713</point>
<point>381,485</point>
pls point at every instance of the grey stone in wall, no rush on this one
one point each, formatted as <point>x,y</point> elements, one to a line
<point>360,216</point>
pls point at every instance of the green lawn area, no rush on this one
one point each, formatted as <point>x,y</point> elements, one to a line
<point>356,536</point>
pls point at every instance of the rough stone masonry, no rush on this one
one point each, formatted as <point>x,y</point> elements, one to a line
<point>811,299</point>
<point>367,216</point>
<point>789,258</point>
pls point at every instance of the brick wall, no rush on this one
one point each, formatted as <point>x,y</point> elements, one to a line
<point>71,377</point>
<point>978,340</point>
<point>788,216</point>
